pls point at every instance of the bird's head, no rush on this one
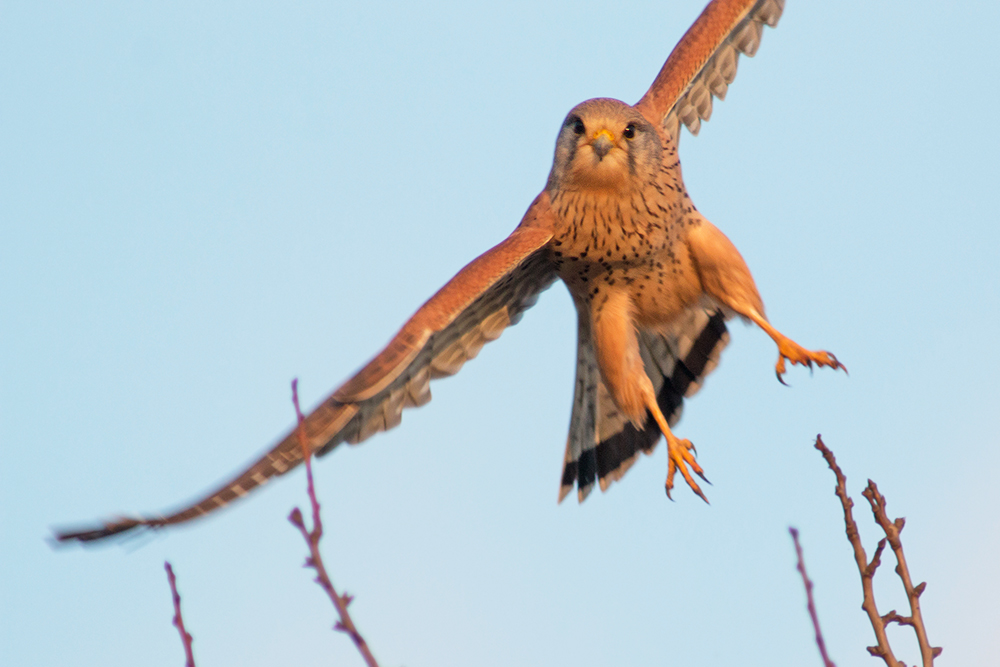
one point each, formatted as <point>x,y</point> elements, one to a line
<point>605,144</point>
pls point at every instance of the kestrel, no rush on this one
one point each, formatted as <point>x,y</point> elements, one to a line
<point>653,282</point>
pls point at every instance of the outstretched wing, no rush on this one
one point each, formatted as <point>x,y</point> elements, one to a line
<point>603,444</point>
<point>703,63</point>
<point>484,298</point>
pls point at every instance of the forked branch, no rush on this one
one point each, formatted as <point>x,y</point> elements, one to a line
<point>867,569</point>
<point>892,530</point>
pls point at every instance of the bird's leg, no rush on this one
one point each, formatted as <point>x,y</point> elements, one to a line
<point>725,277</point>
<point>617,350</point>
<point>792,351</point>
<point>679,454</point>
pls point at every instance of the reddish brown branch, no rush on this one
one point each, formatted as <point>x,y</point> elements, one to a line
<point>866,568</point>
<point>186,638</point>
<point>892,530</point>
<point>809,598</point>
<point>312,538</point>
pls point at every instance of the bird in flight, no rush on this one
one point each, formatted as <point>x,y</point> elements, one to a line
<point>652,280</point>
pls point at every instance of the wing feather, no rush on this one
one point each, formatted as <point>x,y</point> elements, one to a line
<point>473,308</point>
<point>703,63</point>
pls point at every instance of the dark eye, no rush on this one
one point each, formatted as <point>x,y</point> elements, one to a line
<point>629,132</point>
<point>578,126</point>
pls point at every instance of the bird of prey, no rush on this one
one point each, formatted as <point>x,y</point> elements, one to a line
<point>652,280</point>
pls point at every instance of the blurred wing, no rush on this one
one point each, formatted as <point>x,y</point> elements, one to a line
<point>703,63</point>
<point>486,296</point>
<point>603,444</point>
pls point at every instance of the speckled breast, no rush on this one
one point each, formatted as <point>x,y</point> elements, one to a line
<point>606,241</point>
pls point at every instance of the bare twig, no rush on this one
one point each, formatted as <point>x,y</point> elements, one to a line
<point>915,619</point>
<point>892,529</point>
<point>186,638</point>
<point>312,538</point>
<point>866,568</point>
<point>809,598</point>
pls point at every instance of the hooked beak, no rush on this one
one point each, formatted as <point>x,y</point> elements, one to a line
<point>602,143</point>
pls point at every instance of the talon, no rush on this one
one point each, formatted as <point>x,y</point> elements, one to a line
<point>679,457</point>
<point>779,368</point>
<point>796,354</point>
<point>836,363</point>
<point>792,351</point>
<point>701,495</point>
<point>680,454</point>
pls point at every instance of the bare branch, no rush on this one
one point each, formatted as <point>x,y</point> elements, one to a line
<point>809,598</point>
<point>892,530</point>
<point>312,538</point>
<point>866,569</point>
<point>186,638</point>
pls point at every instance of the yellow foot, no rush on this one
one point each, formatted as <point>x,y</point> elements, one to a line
<point>680,453</point>
<point>796,354</point>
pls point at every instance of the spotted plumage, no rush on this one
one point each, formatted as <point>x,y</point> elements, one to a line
<point>652,280</point>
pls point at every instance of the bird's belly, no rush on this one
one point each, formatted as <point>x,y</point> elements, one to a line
<point>661,287</point>
<point>606,245</point>
<point>660,300</point>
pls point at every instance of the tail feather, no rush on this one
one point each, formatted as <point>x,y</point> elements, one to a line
<point>676,361</point>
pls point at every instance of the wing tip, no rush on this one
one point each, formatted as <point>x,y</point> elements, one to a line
<point>692,106</point>
<point>119,528</point>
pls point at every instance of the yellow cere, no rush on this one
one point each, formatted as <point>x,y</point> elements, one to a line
<point>605,133</point>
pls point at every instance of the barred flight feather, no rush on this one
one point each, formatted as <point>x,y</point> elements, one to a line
<point>695,104</point>
<point>712,45</point>
<point>332,422</point>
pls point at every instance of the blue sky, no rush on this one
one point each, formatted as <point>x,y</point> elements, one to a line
<point>199,203</point>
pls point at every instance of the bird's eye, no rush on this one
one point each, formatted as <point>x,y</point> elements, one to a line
<point>629,132</point>
<point>578,126</point>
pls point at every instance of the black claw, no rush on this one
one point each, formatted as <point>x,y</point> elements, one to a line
<point>669,497</point>
<point>781,379</point>
<point>704,479</point>
<point>837,364</point>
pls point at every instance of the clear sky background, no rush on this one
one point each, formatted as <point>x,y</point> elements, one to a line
<point>200,202</point>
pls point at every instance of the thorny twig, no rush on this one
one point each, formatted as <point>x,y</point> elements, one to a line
<point>867,568</point>
<point>312,538</point>
<point>809,598</point>
<point>186,638</point>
